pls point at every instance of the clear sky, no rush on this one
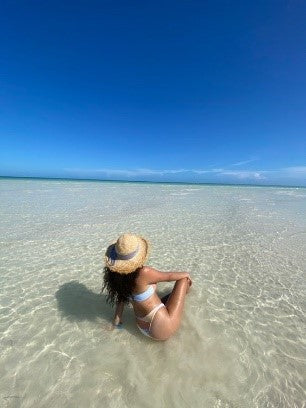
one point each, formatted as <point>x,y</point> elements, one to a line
<point>200,91</point>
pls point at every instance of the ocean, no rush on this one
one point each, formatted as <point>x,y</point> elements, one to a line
<point>242,338</point>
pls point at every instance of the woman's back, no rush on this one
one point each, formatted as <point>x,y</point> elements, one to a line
<point>143,307</point>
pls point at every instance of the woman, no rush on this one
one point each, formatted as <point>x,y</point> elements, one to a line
<point>127,279</point>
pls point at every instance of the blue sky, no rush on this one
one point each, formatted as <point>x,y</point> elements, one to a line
<point>199,91</point>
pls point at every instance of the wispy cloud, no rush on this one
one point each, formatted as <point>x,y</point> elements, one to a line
<point>127,172</point>
<point>242,174</point>
<point>200,171</point>
<point>294,172</point>
<point>242,163</point>
<point>245,174</point>
<point>298,170</point>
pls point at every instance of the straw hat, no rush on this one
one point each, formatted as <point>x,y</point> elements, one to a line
<point>127,254</point>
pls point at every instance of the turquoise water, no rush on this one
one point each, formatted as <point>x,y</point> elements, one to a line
<point>242,339</point>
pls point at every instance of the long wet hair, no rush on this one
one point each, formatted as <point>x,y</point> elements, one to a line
<point>119,286</point>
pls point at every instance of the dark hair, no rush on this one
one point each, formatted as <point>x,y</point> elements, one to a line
<point>119,286</point>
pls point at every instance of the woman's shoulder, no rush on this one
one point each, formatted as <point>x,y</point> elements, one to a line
<point>148,275</point>
<point>145,273</point>
<point>146,270</point>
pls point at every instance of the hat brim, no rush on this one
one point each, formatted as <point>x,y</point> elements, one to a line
<point>130,265</point>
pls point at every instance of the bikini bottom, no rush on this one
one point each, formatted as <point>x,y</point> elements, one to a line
<point>149,319</point>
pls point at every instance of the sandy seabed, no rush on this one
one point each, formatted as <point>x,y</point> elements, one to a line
<point>242,338</point>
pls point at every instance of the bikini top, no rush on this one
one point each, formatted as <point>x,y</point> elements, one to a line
<point>140,297</point>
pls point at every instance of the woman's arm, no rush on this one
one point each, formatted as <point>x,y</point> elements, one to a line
<point>118,314</point>
<point>154,276</point>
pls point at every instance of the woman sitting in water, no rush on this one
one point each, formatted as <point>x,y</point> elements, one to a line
<point>127,279</point>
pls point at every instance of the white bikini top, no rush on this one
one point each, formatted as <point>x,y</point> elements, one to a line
<point>140,297</point>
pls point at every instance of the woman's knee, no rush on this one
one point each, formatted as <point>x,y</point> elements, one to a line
<point>181,282</point>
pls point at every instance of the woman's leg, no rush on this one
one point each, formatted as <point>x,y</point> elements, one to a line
<point>164,326</point>
<point>175,303</point>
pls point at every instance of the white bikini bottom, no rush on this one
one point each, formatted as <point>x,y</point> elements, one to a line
<point>149,319</point>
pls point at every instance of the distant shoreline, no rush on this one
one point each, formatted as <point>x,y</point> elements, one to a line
<point>150,182</point>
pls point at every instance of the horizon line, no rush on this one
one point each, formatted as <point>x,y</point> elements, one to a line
<point>150,181</point>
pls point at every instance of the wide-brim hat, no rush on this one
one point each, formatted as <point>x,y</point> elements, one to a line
<point>127,254</point>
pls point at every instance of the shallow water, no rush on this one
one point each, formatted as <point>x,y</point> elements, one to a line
<point>242,338</point>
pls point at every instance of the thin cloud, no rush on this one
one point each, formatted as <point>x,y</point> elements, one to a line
<point>288,172</point>
<point>142,172</point>
<point>128,172</point>
<point>241,163</point>
<point>244,174</point>
<point>297,170</point>
<point>217,173</point>
<point>200,171</point>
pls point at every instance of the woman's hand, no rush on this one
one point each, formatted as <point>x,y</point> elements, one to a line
<point>117,321</point>
<point>187,275</point>
<point>189,282</point>
<point>117,326</point>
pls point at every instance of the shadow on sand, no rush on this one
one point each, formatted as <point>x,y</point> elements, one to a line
<point>78,303</point>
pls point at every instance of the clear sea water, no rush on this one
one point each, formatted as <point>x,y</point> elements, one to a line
<point>242,338</point>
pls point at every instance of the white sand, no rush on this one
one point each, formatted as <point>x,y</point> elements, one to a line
<point>242,339</point>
